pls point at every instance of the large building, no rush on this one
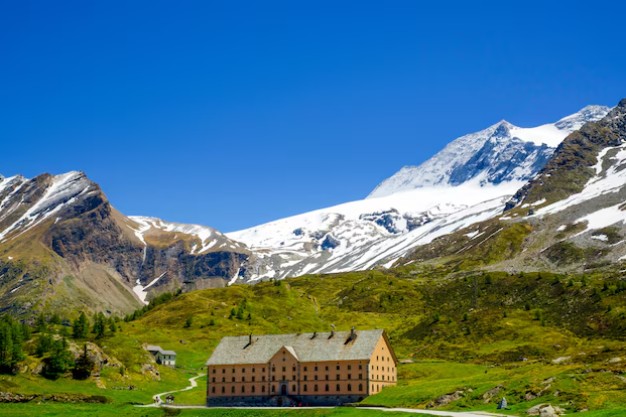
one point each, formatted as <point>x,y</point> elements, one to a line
<point>300,369</point>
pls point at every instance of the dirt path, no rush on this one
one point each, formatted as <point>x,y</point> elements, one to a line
<point>158,401</point>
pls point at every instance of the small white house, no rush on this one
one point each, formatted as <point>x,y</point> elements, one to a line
<point>162,357</point>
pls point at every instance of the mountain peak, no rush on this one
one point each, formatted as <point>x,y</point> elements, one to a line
<point>502,152</point>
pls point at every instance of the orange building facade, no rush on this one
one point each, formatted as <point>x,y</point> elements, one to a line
<point>300,369</point>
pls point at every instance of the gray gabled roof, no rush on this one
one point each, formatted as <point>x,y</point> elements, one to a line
<point>306,347</point>
<point>154,348</point>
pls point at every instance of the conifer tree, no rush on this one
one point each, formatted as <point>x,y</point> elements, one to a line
<point>80,327</point>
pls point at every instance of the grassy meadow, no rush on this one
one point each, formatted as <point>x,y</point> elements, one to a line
<point>533,338</point>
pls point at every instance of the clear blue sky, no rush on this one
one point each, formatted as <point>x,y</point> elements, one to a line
<point>234,113</point>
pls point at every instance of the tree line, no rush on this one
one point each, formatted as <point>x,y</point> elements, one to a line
<point>48,338</point>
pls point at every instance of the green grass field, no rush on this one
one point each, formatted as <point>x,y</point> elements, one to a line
<point>543,338</point>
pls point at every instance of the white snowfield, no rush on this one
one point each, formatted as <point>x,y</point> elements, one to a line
<point>296,242</point>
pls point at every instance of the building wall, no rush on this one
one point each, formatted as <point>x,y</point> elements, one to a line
<point>169,360</point>
<point>322,383</point>
<point>382,368</point>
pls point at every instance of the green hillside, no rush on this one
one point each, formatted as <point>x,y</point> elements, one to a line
<point>534,338</point>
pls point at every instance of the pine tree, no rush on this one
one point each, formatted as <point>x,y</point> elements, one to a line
<point>59,362</point>
<point>11,340</point>
<point>99,325</point>
<point>84,365</point>
<point>80,327</point>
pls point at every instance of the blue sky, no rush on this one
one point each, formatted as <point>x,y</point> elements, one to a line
<point>235,113</point>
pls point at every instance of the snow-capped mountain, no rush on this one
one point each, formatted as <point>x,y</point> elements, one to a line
<point>468,181</point>
<point>60,237</point>
<point>502,152</point>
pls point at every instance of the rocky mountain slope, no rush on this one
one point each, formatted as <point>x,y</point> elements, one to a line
<point>60,240</point>
<point>467,182</point>
<point>570,216</point>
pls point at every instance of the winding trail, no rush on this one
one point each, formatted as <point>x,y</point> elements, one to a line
<point>157,397</point>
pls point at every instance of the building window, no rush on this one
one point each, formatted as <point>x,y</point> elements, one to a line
<point>213,380</point>
<point>262,369</point>
<point>349,387</point>
<point>293,388</point>
<point>349,376</point>
<point>283,378</point>
<point>243,370</point>
<point>252,378</point>
<point>213,370</point>
<point>243,389</point>
<point>338,377</point>
<point>233,370</point>
<point>273,389</point>
<point>213,390</point>
<point>316,369</point>
<point>315,388</point>
<point>223,379</point>
<point>232,389</point>
<point>349,367</point>
<point>304,387</point>
<point>273,377</point>
<point>252,388</point>
<point>253,370</point>
<point>243,379</point>
<point>223,390</point>
<point>360,376</point>
<point>305,369</point>
<point>284,368</point>
<point>315,377</point>
<point>326,377</point>
<point>338,387</point>
<point>262,388</point>
<point>360,387</point>
<point>294,369</point>
<point>224,370</point>
<point>304,377</point>
<point>233,379</point>
<point>263,378</point>
<point>337,367</point>
<point>327,388</point>
<point>326,367</point>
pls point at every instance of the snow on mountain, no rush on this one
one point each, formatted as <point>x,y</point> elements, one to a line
<point>26,203</point>
<point>361,234</point>
<point>470,180</point>
<point>504,151</point>
<point>208,238</point>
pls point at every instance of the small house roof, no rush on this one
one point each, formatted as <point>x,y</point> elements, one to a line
<point>306,347</point>
<point>159,349</point>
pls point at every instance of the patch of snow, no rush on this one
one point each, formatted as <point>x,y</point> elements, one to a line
<point>234,278</point>
<point>473,234</point>
<point>140,290</point>
<point>603,218</point>
<point>603,238</point>
<point>561,228</point>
